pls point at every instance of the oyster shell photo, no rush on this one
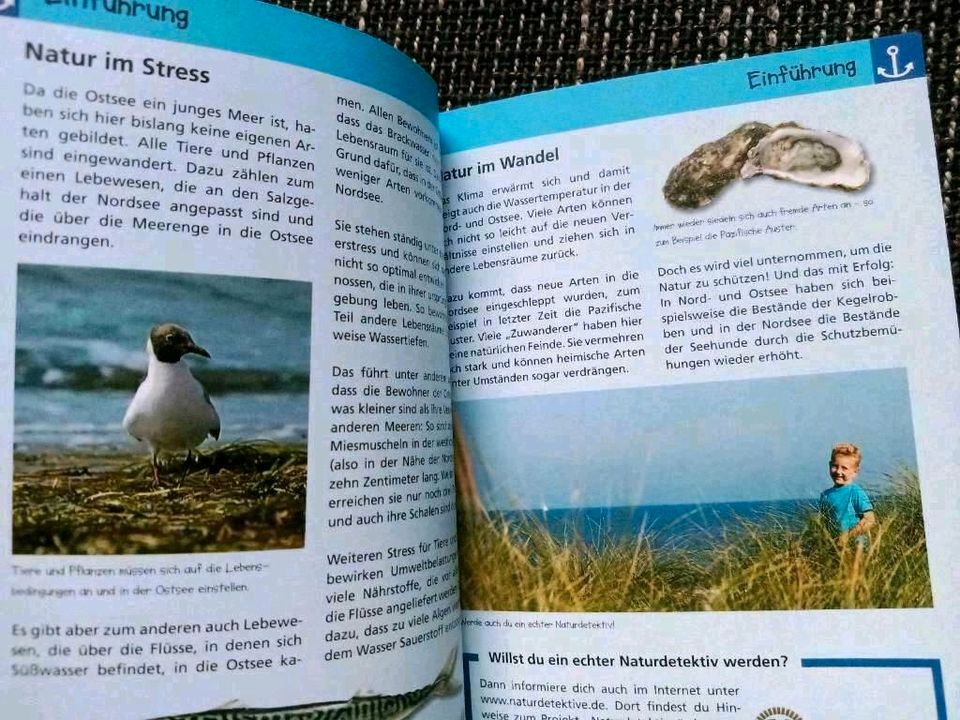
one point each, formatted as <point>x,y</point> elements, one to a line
<point>697,179</point>
<point>787,152</point>
<point>812,157</point>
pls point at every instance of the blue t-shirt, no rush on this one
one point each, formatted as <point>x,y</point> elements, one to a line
<point>844,505</point>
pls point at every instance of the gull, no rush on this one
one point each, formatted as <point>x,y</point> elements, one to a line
<point>171,410</point>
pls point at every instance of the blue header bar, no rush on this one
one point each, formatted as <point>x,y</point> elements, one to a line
<point>252,28</point>
<point>821,69</point>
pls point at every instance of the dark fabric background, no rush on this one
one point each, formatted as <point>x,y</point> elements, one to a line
<point>481,50</point>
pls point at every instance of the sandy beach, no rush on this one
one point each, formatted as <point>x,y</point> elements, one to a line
<point>244,496</point>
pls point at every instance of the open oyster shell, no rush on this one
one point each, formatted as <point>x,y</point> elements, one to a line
<point>697,179</point>
<point>812,157</point>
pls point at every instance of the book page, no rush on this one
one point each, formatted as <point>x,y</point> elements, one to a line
<point>228,436</point>
<point>704,352</point>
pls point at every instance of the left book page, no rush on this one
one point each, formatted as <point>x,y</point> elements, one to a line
<point>226,437</point>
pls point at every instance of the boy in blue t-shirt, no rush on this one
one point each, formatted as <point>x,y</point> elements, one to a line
<point>846,505</point>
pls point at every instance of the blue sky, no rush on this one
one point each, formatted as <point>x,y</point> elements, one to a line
<point>765,439</point>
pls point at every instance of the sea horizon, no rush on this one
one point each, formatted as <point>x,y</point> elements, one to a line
<point>676,525</point>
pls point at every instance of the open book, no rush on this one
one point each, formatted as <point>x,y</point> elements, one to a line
<point>686,341</point>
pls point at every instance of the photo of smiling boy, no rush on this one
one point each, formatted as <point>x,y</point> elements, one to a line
<point>846,506</point>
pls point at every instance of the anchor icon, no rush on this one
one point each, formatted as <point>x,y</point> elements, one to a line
<point>892,51</point>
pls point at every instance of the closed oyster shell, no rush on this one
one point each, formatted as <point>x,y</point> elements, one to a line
<point>812,157</point>
<point>697,179</point>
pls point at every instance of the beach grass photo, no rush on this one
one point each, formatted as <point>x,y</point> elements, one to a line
<point>159,412</point>
<point>655,499</point>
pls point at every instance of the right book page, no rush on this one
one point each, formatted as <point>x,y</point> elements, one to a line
<point>704,358</point>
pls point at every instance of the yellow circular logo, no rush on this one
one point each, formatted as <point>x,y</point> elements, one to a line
<point>778,713</point>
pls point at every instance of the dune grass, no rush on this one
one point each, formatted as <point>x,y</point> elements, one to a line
<point>242,496</point>
<point>756,565</point>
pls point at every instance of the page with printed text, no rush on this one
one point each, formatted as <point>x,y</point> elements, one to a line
<point>703,352</point>
<point>227,433</point>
